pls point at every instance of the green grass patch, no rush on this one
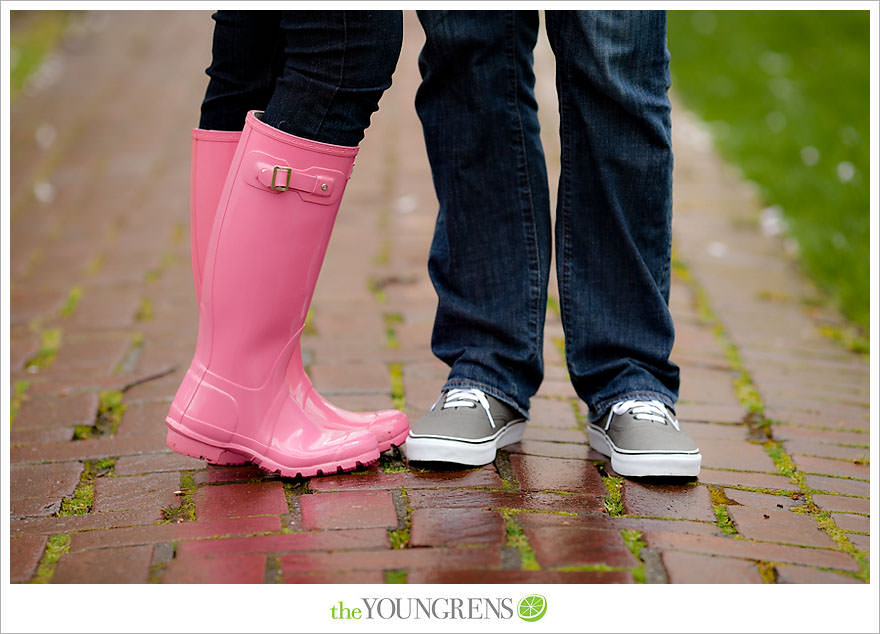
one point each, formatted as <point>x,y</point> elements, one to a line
<point>516,538</point>
<point>33,35</point>
<point>72,300</point>
<point>786,95</point>
<point>50,340</point>
<point>56,546</point>
<point>613,502</point>
<point>18,397</point>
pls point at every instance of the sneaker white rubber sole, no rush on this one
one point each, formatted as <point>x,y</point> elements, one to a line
<point>475,452</point>
<point>645,464</point>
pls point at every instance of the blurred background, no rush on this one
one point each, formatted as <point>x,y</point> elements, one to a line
<point>785,95</point>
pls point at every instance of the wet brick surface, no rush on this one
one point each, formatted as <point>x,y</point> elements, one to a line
<point>541,513</point>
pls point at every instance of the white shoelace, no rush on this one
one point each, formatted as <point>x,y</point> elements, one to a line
<point>466,398</point>
<point>654,411</point>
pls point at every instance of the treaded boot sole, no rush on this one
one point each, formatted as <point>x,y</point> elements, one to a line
<point>462,451</point>
<point>191,445</point>
<point>645,464</point>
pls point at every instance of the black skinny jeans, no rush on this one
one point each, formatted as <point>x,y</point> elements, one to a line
<point>315,74</point>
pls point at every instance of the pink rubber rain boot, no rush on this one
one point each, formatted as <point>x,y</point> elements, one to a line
<point>267,244</point>
<point>212,152</point>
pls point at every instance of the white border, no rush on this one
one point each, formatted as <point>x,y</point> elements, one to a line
<point>572,608</point>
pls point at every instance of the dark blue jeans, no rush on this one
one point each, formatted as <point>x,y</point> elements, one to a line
<point>316,74</point>
<point>490,256</point>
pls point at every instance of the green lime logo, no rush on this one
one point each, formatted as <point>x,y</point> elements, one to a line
<point>532,608</point>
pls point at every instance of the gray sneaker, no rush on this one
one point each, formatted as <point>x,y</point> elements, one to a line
<point>642,438</point>
<point>465,426</point>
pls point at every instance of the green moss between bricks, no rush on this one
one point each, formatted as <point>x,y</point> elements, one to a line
<point>145,311</point>
<point>95,265</point>
<point>56,546</point>
<point>851,338</point>
<point>613,502</point>
<point>186,512</point>
<point>395,373</point>
<point>50,340</point>
<point>719,506</point>
<point>110,410</point>
<point>83,496</point>
<point>18,397</point>
<point>767,570</point>
<point>72,300</point>
<point>395,576</point>
<point>400,537</point>
<point>377,289</point>
<point>635,542</point>
<point>309,328</point>
<point>516,538</point>
<point>579,416</point>
<point>391,320</point>
<point>592,568</point>
<point>179,233</point>
<point>744,387</point>
<point>512,511</point>
<point>784,464</point>
<point>751,400</point>
<point>722,519</point>
<point>390,462</point>
<point>826,523</point>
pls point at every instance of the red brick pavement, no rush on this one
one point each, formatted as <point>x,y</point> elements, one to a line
<point>100,257</point>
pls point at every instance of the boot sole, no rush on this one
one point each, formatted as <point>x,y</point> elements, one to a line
<point>432,449</point>
<point>233,454</point>
<point>228,458</point>
<point>645,464</point>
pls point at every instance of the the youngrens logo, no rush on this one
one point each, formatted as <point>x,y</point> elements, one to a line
<point>530,608</point>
